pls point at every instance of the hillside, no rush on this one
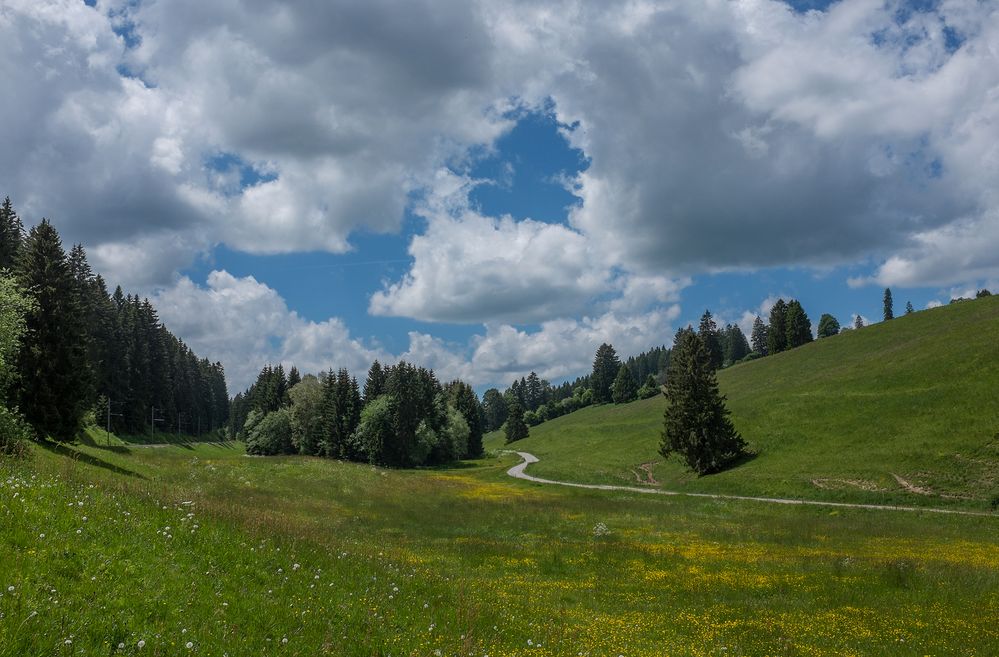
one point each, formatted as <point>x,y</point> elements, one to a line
<point>904,412</point>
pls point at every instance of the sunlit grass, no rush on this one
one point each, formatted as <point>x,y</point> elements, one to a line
<point>461,561</point>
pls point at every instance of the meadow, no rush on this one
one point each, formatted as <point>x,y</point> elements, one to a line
<point>902,412</point>
<point>199,549</point>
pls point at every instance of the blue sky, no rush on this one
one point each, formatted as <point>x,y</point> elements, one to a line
<point>493,188</point>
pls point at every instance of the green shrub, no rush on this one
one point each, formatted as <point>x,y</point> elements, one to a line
<point>272,435</point>
<point>14,433</point>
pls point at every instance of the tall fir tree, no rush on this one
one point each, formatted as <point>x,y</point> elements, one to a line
<point>294,377</point>
<point>605,367</point>
<point>889,310</point>
<point>374,384</point>
<point>463,399</point>
<point>624,389</point>
<point>736,345</point>
<point>759,339</point>
<point>798,326</point>
<point>777,331</point>
<point>53,366</point>
<point>516,428</point>
<point>495,409</point>
<point>11,235</point>
<point>696,426</point>
<point>708,330</point>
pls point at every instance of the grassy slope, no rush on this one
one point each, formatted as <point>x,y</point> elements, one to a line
<point>836,419</point>
<point>200,544</point>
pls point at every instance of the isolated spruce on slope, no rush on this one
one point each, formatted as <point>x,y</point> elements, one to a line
<point>696,426</point>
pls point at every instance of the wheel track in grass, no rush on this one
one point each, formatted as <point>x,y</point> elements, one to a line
<point>518,472</point>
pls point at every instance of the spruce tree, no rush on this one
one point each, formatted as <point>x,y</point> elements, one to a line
<point>624,389</point>
<point>908,308</point>
<point>798,326</point>
<point>374,384</point>
<point>494,408</point>
<point>777,331</point>
<point>294,377</point>
<point>11,235</point>
<point>858,322</point>
<point>605,367</point>
<point>889,310</point>
<point>696,426</point>
<point>53,367</point>
<point>463,399</point>
<point>738,346</point>
<point>759,338</point>
<point>516,428</point>
<point>708,330</point>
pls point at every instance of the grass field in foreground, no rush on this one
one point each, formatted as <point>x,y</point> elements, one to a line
<point>202,545</point>
<point>901,412</point>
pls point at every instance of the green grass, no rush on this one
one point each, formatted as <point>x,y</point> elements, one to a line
<point>200,544</point>
<point>835,419</point>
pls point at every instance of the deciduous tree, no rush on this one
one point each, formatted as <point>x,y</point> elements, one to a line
<point>828,326</point>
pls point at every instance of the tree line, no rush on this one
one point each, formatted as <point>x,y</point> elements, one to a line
<point>533,400</point>
<point>404,416</point>
<point>82,353</point>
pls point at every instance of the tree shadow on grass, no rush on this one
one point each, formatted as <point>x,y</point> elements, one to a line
<point>456,465</point>
<point>737,462</point>
<point>62,449</point>
<point>85,439</point>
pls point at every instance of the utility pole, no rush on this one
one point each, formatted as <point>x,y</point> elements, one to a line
<point>109,414</point>
<point>152,423</point>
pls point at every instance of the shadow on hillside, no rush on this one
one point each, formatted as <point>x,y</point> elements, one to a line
<point>62,449</point>
<point>739,462</point>
<point>457,465</point>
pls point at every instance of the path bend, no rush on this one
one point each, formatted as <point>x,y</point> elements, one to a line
<point>518,472</point>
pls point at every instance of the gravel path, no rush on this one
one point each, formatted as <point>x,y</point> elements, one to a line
<point>518,472</point>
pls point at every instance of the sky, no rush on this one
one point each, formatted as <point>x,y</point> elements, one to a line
<point>493,187</point>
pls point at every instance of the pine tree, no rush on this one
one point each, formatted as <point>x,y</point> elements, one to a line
<point>798,326</point>
<point>516,428</point>
<point>889,311</point>
<point>11,235</point>
<point>624,389</point>
<point>374,384</point>
<point>463,399</point>
<point>696,426</point>
<point>708,331</point>
<point>908,308</point>
<point>533,392</point>
<point>495,409</point>
<point>53,367</point>
<point>294,377</point>
<point>777,331</point>
<point>605,367</point>
<point>759,338</point>
<point>858,322</point>
<point>736,343</point>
